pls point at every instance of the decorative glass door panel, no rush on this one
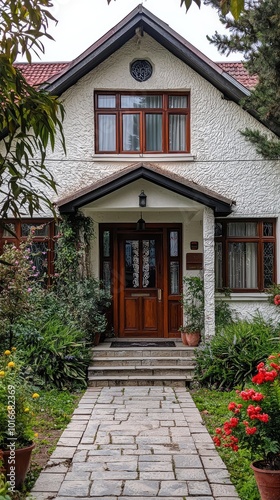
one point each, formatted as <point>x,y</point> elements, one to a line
<point>140,298</point>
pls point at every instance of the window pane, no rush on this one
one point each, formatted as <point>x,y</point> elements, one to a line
<point>131,132</point>
<point>268,263</point>
<point>173,244</point>
<point>106,101</point>
<point>40,229</point>
<point>177,132</point>
<point>149,264</point>
<point>174,278</point>
<point>242,229</point>
<point>177,101</point>
<point>141,101</point>
<point>106,244</point>
<point>107,275</point>
<point>242,265</point>
<point>218,229</point>
<point>39,257</point>
<point>267,229</point>
<point>6,233</point>
<point>219,265</point>
<point>153,132</point>
<point>132,263</point>
<point>107,132</point>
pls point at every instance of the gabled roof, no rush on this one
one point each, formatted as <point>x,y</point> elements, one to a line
<point>221,205</point>
<point>143,20</point>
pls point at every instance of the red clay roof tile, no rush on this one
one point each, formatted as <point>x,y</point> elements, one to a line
<point>36,73</point>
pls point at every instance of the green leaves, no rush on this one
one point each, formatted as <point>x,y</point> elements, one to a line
<point>30,118</point>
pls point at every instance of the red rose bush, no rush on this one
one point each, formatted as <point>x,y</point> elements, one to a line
<point>255,417</point>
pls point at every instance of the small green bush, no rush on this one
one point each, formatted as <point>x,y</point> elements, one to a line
<point>230,357</point>
<point>56,353</point>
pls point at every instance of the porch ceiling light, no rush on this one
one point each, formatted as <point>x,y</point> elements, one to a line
<point>141,224</point>
<point>142,199</point>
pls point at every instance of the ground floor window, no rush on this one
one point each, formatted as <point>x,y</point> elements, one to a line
<point>245,254</point>
<point>42,248</point>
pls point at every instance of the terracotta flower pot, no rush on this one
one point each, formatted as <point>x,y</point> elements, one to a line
<point>16,464</point>
<point>268,481</point>
<point>190,339</point>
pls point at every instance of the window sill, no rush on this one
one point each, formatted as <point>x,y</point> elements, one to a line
<point>243,297</point>
<point>145,157</point>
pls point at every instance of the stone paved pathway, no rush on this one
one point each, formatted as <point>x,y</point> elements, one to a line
<point>135,443</point>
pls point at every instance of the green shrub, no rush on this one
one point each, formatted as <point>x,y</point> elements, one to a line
<point>230,357</point>
<point>56,353</point>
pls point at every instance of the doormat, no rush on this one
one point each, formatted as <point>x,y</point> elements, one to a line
<point>144,343</point>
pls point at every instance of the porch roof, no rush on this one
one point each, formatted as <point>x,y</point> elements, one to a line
<point>221,205</point>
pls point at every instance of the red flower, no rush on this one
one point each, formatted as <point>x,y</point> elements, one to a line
<point>250,430</point>
<point>276,300</point>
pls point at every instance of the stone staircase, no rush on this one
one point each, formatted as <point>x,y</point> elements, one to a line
<point>118,366</point>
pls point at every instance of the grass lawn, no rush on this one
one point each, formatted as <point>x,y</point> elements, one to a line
<point>55,409</point>
<point>213,407</point>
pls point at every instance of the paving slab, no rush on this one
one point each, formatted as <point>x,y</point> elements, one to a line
<point>135,443</point>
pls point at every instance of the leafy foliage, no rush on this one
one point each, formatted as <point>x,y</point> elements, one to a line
<point>29,118</point>
<point>229,358</point>
<point>256,34</point>
<point>56,353</point>
<point>17,400</point>
<point>81,295</point>
<point>16,283</point>
<point>193,304</point>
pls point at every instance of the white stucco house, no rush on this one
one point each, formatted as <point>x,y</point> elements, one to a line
<point>156,158</point>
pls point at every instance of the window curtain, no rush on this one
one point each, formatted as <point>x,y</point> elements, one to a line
<point>131,132</point>
<point>177,132</point>
<point>243,256</point>
<point>153,132</point>
<point>107,132</point>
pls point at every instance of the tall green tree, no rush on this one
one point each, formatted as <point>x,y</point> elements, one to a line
<point>29,117</point>
<point>256,35</point>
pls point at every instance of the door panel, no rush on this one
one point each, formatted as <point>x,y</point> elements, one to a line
<point>140,306</point>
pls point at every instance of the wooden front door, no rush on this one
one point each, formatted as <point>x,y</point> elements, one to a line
<point>143,271</point>
<point>141,284</point>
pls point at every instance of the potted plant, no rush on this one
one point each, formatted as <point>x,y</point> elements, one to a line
<point>17,402</point>
<point>255,424</point>
<point>193,309</point>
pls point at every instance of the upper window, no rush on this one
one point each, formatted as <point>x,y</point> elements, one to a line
<point>142,123</point>
<point>245,254</point>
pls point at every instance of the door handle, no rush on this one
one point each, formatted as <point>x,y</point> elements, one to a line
<point>159,294</point>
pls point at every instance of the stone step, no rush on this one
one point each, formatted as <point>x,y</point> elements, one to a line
<point>95,371</point>
<point>125,380</point>
<point>143,352</point>
<point>142,361</point>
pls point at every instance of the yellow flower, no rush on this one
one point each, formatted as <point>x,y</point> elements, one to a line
<point>11,364</point>
<point>36,434</point>
<point>2,373</point>
<point>9,408</point>
<point>26,410</point>
<point>7,352</point>
<point>14,348</point>
<point>35,395</point>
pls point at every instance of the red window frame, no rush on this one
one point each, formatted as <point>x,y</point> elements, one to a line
<point>165,111</point>
<point>260,239</point>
